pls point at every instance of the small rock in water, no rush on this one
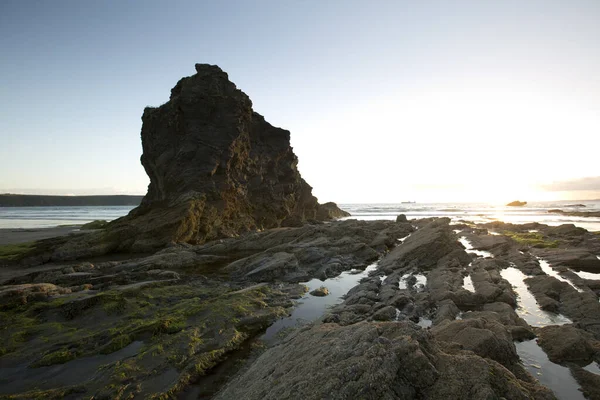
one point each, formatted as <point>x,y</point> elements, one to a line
<point>320,292</point>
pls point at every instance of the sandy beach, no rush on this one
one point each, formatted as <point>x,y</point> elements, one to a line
<point>14,236</point>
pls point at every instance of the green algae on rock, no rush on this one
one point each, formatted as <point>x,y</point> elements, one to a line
<point>187,328</point>
<point>533,239</point>
<point>15,251</point>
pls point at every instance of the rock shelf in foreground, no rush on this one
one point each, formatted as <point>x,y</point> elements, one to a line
<point>153,326</point>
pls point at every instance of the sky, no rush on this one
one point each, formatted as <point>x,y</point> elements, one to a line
<point>386,101</point>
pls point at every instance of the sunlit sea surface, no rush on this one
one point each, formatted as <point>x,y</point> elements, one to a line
<point>44,217</point>
<point>482,212</point>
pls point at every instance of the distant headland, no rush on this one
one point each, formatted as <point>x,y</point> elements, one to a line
<point>28,200</point>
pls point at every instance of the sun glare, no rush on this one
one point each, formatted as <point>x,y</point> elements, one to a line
<point>477,144</point>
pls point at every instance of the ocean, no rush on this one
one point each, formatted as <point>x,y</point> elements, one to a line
<point>44,217</point>
<point>483,212</point>
<point>47,217</point>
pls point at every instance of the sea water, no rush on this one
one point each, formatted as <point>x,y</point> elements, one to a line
<point>47,217</point>
<point>482,212</point>
<point>39,217</point>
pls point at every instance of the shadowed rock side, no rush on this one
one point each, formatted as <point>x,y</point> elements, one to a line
<point>216,168</point>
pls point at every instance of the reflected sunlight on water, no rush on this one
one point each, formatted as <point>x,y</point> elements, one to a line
<point>528,308</point>
<point>481,212</point>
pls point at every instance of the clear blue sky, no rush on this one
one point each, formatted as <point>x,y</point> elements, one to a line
<point>386,100</point>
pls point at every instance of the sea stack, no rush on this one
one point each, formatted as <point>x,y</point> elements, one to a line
<point>216,168</point>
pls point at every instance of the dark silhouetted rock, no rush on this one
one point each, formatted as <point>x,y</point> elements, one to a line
<point>329,211</point>
<point>216,168</point>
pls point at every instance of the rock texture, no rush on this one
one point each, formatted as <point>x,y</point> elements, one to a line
<point>216,168</point>
<point>148,326</point>
<point>375,361</point>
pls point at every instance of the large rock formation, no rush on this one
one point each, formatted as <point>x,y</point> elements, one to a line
<point>216,169</point>
<point>219,164</point>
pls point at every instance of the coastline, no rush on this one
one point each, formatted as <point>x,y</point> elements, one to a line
<point>426,279</point>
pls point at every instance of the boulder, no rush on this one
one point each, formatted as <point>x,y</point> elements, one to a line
<point>567,343</point>
<point>320,292</point>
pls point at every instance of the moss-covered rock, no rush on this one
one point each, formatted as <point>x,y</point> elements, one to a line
<point>57,357</point>
<point>179,329</point>
<point>533,239</point>
<point>97,224</point>
<point>320,292</point>
<point>14,251</point>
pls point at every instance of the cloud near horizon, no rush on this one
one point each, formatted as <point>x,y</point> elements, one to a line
<point>580,184</point>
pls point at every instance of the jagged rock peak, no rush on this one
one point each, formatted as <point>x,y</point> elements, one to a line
<point>209,69</point>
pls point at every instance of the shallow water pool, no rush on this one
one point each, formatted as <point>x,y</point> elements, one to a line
<point>310,308</point>
<point>528,308</point>
<point>554,376</point>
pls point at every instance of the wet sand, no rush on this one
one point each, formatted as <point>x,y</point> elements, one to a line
<point>14,236</point>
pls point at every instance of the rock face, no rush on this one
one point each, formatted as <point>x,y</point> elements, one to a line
<point>216,168</point>
<point>220,165</point>
<point>423,248</point>
<point>375,361</point>
<point>567,343</point>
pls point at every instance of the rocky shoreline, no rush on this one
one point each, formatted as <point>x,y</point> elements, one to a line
<point>152,326</point>
<point>575,213</point>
